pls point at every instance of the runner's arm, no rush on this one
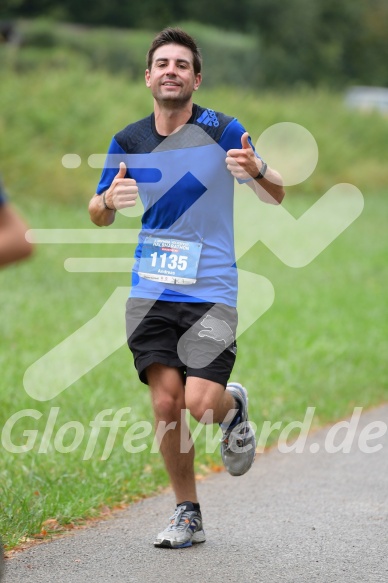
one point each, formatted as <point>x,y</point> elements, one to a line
<point>99,215</point>
<point>269,188</point>
<point>13,243</point>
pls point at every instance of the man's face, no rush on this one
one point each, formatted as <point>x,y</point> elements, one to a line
<point>171,78</point>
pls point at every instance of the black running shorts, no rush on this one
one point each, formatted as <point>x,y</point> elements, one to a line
<point>197,338</point>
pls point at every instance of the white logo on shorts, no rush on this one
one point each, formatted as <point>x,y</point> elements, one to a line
<point>218,330</point>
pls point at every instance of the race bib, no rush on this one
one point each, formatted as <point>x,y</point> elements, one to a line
<point>170,260</point>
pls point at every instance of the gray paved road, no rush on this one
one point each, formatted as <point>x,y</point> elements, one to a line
<point>311,517</point>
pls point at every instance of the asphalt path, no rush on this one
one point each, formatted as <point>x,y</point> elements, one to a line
<point>294,517</point>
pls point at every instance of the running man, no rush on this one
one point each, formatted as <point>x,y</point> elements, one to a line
<point>181,314</point>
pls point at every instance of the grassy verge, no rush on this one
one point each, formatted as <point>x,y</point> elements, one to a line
<point>322,344</point>
<point>71,109</point>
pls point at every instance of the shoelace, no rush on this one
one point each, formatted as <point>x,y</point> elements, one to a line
<point>180,519</point>
<point>230,437</point>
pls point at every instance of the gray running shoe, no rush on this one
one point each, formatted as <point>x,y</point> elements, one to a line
<point>238,443</point>
<point>184,530</point>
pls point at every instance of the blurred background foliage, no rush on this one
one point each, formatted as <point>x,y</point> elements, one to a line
<point>261,43</point>
<point>265,61</point>
<point>72,75</point>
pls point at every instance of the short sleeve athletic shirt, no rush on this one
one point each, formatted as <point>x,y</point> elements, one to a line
<point>187,193</point>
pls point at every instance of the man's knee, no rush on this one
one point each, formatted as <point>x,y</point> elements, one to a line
<point>201,406</point>
<point>167,407</point>
<point>167,393</point>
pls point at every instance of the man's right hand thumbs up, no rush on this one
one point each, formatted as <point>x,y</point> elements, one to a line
<point>122,171</point>
<point>123,192</point>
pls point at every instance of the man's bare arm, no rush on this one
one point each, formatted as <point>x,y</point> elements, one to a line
<point>13,244</point>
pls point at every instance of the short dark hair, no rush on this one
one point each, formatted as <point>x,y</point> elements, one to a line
<point>179,37</point>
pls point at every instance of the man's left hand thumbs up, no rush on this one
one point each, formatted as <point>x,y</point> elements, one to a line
<point>244,141</point>
<point>242,162</point>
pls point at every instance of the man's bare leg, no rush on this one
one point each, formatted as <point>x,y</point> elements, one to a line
<point>168,401</point>
<point>208,401</point>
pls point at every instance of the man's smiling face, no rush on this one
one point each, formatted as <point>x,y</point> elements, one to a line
<point>171,77</point>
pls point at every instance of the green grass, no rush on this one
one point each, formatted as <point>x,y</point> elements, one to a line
<point>328,326</point>
<point>229,57</point>
<point>70,109</point>
<point>323,343</point>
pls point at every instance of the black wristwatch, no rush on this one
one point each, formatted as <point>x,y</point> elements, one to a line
<point>262,172</point>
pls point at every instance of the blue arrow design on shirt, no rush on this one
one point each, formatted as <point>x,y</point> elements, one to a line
<point>180,197</point>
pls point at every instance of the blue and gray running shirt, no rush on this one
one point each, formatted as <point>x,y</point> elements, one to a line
<point>185,249</point>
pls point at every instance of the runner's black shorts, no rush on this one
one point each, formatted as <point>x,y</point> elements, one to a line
<point>197,338</point>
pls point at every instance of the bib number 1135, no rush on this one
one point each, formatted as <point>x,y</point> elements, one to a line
<point>171,261</point>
